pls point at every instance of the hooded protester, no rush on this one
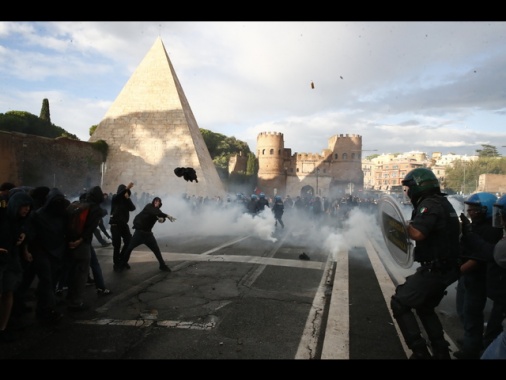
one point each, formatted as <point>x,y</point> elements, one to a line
<point>80,252</point>
<point>47,244</point>
<point>12,248</point>
<point>143,224</point>
<point>121,206</point>
<point>20,306</point>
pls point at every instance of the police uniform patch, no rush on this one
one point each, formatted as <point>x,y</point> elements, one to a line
<point>423,210</point>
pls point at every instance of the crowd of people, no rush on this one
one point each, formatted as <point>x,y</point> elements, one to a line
<point>35,244</point>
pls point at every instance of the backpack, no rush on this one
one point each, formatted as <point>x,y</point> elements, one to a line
<point>77,214</point>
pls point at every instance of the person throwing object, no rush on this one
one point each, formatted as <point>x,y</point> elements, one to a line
<point>143,224</point>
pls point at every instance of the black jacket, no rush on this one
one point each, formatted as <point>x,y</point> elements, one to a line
<point>121,206</point>
<point>146,219</point>
<point>47,226</point>
<point>11,226</point>
<point>95,196</point>
<point>496,275</point>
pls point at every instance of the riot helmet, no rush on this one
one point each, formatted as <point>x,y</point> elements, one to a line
<point>499,212</point>
<point>482,202</point>
<point>277,198</point>
<point>253,196</point>
<point>420,181</point>
<point>262,195</point>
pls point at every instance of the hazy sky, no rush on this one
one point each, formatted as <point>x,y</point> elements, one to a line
<point>403,86</point>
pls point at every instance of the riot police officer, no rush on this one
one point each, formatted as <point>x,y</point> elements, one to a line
<point>472,284</point>
<point>435,228</point>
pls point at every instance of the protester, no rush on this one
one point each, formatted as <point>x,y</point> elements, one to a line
<point>143,224</point>
<point>278,209</point>
<point>98,276</point>
<point>80,252</point>
<point>101,227</point>
<point>121,206</point>
<point>47,244</point>
<point>20,306</point>
<point>435,228</point>
<point>12,251</point>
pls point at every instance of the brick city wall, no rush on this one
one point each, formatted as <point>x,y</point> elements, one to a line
<point>28,160</point>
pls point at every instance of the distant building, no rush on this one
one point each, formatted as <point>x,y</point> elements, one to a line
<point>335,172</point>
<point>385,173</point>
<point>492,183</point>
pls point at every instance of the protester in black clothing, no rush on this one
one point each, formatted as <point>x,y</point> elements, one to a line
<point>121,206</point>
<point>278,209</point>
<point>435,228</point>
<point>38,195</point>
<point>143,224</point>
<point>12,251</point>
<point>106,204</point>
<point>47,244</point>
<point>80,252</point>
<point>102,228</point>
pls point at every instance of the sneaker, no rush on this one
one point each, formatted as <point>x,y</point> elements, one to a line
<point>103,292</point>
<point>126,266</point>
<point>76,308</point>
<point>165,268</point>
<point>90,281</point>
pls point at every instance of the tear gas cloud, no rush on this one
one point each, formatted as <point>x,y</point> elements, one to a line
<point>228,218</point>
<point>323,236</point>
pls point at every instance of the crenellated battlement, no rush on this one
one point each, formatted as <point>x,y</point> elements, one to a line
<point>269,134</point>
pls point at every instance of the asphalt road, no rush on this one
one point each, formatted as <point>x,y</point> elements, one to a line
<point>239,296</point>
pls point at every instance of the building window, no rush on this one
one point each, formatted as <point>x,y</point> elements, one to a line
<point>336,156</point>
<point>345,156</point>
<point>271,152</point>
<point>263,152</point>
<point>353,156</point>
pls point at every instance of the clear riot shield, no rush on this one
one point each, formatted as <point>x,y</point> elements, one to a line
<point>394,229</point>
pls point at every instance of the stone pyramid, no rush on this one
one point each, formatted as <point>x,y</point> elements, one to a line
<point>151,130</point>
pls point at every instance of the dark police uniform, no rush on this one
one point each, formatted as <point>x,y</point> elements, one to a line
<point>438,253</point>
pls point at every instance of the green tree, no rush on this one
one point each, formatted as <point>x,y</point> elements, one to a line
<point>488,151</point>
<point>93,129</point>
<point>252,165</point>
<point>222,147</point>
<point>44,112</point>
<point>464,175</point>
<point>25,122</point>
